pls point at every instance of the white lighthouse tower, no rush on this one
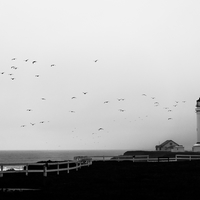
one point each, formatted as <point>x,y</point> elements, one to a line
<point>196,146</point>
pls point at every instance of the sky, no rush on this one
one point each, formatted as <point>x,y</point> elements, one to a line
<point>133,67</point>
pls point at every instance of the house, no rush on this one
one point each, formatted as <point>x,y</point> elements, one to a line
<point>179,148</point>
<point>168,145</point>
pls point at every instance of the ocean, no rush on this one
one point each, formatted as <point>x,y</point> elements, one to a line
<point>33,156</point>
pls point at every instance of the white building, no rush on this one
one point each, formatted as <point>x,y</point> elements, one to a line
<point>179,148</point>
<point>196,147</point>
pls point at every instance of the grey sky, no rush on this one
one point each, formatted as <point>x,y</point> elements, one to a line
<point>142,47</point>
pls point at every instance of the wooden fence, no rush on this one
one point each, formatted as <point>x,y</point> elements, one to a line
<point>81,161</point>
<point>45,167</point>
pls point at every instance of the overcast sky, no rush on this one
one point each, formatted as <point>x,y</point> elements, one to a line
<point>140,47</point>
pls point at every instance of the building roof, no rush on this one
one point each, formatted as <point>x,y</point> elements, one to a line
<point>164,143</point>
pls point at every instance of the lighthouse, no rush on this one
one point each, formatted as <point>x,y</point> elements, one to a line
<point>196,147</point>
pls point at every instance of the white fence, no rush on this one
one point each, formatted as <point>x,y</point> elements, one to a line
<point>80,161</point>
<point>46,167</point>
<point>187,157</point>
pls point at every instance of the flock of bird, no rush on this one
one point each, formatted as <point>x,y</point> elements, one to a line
<point>156,103</point>
<point>33,62</point>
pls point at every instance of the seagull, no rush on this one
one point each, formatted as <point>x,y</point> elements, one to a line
<point>52,65</point>
<point>144,94</point>
<point>26,60</point>
<point>13,67</point>
<point>72,111</point>
<point>169,110</point>
<point>176,101</point>
<point>42,122</point>
<point>34,61</point>
<point>73,97</point>
<point>13,58</point>
<point>84,92</point>
<point>106,101</point>
<point>121,110</point>
<point>43,99</point>
<point>95,60</point>
<point>184,101</point>
<point>2,72</point>
<point>22,125</point>
<point>28,109</point>
<point>10,74</point>
<point>169,118</point>
<point>153,97</point>
<point>32,124</point>
<point>37,75</point>
<point>100,129</point>
<point>12,78</point>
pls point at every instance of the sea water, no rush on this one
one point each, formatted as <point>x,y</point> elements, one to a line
<point>33,156</point>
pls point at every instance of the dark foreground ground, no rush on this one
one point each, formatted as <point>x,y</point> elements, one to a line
<point>110,180</point>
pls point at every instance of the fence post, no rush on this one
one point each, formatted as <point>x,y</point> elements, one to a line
<point>68,167</point>
<point>58,169</point>
<point>1,174</point>
<point>27,170</point>
<point>45,170</point>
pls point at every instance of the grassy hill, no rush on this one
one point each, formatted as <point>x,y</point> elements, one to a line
<point>156,154</point>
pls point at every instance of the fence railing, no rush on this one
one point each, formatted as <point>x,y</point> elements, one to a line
<point>81,161</point>
<point>187,157</point>
<point>45,167</point>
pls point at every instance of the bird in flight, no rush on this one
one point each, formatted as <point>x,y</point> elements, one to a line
<point>28,109</point>
<point>100,129</point>
<point>13,58</point>
<point>43,99</point>
<point>52,65</point>
<point>34,61</point>
<point>22,125</point>
<point>72,111</point>
<point>73,97</point>
<point>42,122</point>
<point>144,94</point>
<point>184,101</point>
<point>12,78</point>
<point>32,124</point>
<point>106,101</point>
<point>84,92</point>
<point>95,60</point>
<point>121,110</point>
<point>26,60</point>
<point>2,72</point>
<point>37,75</point>
<point>169,118</point>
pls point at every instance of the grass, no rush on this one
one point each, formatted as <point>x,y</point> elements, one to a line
<point>110,180</point>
